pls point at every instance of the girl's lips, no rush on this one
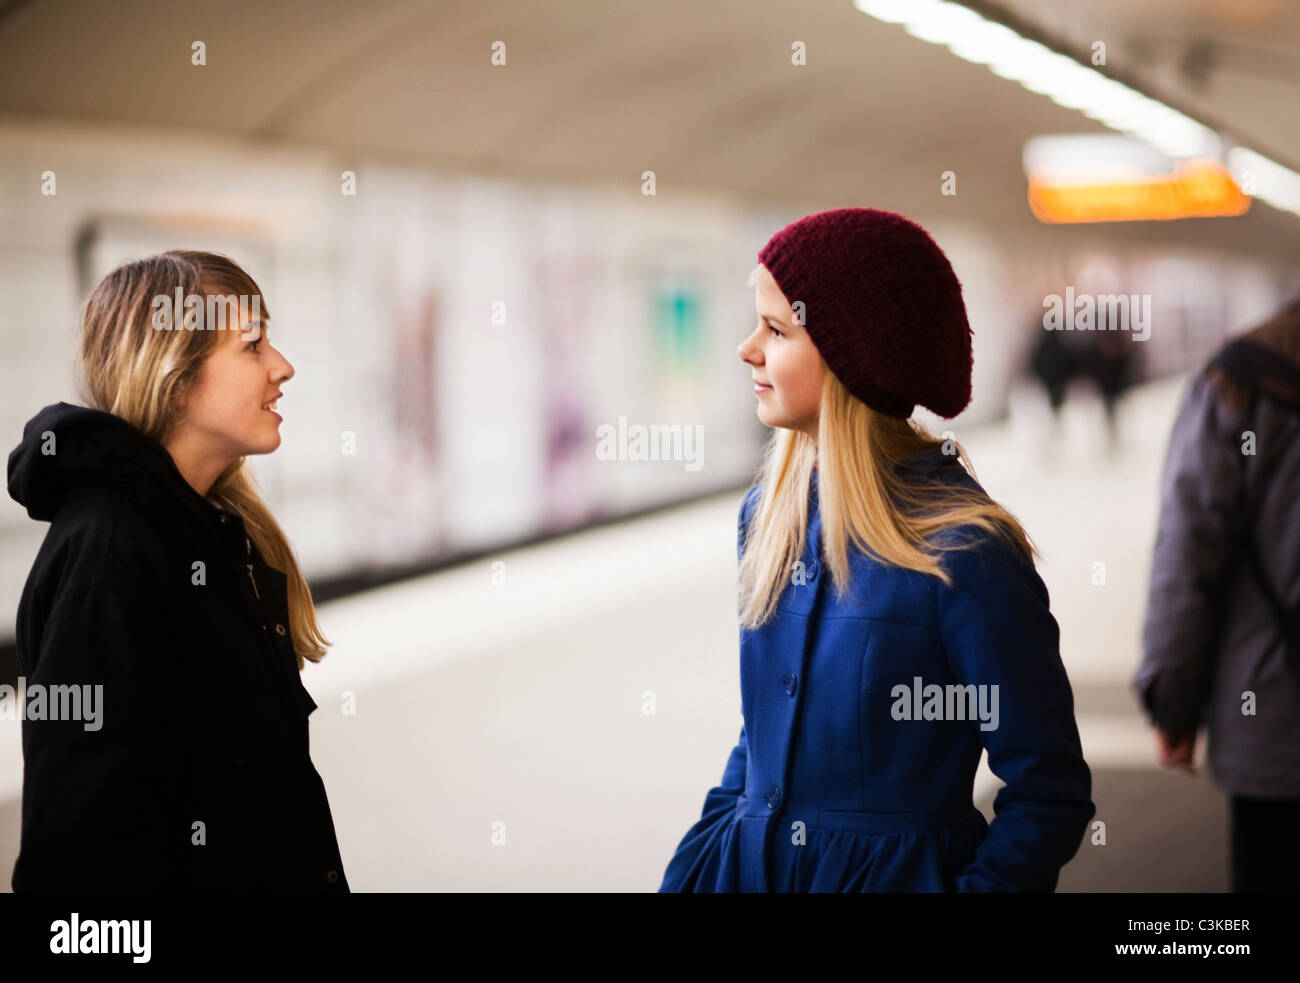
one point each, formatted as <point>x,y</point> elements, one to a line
<point>759,388</point>
<point>275,414</point>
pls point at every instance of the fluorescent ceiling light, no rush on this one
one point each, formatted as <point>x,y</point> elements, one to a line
<point>1071,84</point>
<point>1266,179</point>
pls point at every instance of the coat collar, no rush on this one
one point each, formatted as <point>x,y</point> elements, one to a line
<point>66,448</point>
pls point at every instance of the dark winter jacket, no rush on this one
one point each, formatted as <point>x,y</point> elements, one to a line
<point>196,774</point>
<point>1213,649</point>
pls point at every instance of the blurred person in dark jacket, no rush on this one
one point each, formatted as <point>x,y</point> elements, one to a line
<point>1220,639</point>
<point>1105,356</point>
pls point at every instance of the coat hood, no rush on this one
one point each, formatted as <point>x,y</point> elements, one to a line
<point>66,447</point>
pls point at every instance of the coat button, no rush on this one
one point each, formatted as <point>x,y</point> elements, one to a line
<point>791,682</point>
<point>279,629</point>
<point>332,877</point>
<point>773,797</point>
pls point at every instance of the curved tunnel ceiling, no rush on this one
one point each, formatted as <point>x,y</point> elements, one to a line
<point>704,94</point>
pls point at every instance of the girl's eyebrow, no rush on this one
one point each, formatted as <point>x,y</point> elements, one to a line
<point>773,320</point>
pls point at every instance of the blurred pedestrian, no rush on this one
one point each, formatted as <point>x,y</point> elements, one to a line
<point>1222,636</point>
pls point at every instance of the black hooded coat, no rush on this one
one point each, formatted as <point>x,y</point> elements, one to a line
<point>194,773</point>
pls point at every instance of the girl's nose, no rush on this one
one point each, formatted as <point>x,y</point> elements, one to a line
<point>286,370</point>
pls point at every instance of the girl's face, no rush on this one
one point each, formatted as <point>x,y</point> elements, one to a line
<point>223,415</point>
<point>788,370</point>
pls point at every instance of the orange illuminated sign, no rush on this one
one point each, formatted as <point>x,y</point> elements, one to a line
<point>1197,189</point>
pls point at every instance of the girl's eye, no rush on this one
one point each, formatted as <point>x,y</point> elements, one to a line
<point>254,343</point>
<point>774,331</point>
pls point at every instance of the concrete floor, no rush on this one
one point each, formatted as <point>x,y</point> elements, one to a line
<point>513,708</point>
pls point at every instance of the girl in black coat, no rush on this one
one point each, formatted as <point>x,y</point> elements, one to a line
<point>165,622</point>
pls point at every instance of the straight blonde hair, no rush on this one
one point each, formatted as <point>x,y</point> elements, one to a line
<point>864,502</point>
<point>133,371</point>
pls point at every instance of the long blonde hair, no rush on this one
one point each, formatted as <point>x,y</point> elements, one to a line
<point>863,501</point>
<point>133,371</point>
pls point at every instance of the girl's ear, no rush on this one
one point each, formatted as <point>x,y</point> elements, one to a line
<point>179,397</point>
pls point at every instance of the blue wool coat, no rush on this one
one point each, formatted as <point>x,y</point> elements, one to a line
<point>829,790</point>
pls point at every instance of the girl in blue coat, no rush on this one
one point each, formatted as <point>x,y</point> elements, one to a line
<point>892,623</point>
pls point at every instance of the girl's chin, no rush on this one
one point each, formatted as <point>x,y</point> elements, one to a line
<point>265,443</point>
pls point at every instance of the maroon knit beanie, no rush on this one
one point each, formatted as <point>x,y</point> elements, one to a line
<point>882,305</point>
